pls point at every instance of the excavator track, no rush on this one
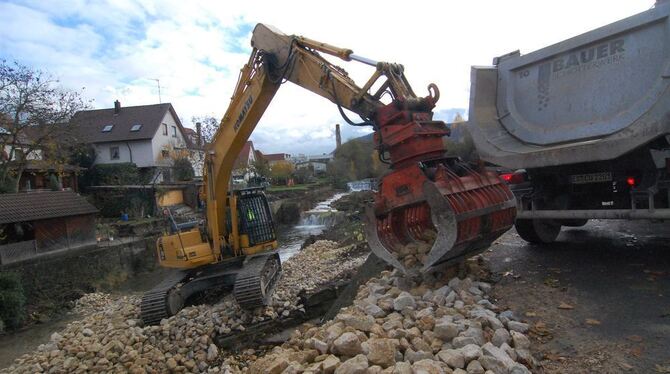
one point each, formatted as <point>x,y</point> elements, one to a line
<point>155,303</point>
<point>255,283</point>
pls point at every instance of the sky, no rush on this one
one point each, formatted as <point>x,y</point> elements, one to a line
<point>117,49</point>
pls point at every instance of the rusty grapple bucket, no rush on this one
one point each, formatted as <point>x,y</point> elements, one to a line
<point>431,210</point>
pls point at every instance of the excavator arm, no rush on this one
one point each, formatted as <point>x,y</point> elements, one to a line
<point>424,198</point>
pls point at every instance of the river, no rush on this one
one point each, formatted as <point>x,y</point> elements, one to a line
<point>312,222</point>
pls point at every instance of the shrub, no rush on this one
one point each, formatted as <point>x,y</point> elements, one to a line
<point>8,185</point>
<point>183,170</point>
<point>12,300</point>
<point>114,174</point>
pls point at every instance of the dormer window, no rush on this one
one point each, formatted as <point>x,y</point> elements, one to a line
<point>107,128</point>
<point>136,127</point>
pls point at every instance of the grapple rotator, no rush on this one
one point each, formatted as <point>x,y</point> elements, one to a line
<point>431,209</point>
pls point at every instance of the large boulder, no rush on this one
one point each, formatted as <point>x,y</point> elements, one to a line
<point>355,365</point>
<point>382,352</point>
<point>347,344</point>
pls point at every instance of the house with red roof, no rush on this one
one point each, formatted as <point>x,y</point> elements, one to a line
<point>273,158</point>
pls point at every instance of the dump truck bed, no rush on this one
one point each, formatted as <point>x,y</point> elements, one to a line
<point>593,97</point>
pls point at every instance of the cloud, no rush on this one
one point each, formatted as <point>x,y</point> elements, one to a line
<point>117,48</point>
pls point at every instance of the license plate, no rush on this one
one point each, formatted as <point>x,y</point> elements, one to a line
<point>591,178</point>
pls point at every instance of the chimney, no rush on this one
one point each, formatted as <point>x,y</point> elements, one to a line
<point>198,132</point>
<point>338,137</point>
<point>117,107</point>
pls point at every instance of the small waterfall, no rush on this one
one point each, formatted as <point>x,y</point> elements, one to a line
<point>316,219</point>
<point>322,214</point>
<point>363,185</point>
<point>312,222</point>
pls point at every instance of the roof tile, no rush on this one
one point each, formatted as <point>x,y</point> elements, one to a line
<point>22,207</point>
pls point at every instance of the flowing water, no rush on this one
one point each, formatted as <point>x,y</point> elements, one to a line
<point>312,222</point>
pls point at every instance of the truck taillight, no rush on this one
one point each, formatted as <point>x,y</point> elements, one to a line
<point>631,181</point>
<point>513,178</point>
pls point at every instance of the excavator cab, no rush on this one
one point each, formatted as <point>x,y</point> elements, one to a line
<point>256,228</point>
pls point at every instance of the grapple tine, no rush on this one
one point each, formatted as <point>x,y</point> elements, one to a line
<point>444,220</point>
<point>375,244</point>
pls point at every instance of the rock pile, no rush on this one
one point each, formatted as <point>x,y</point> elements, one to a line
<point>111,337</point>
<point>320,263</point>
<point>400,325</point>
<point>91,302</point>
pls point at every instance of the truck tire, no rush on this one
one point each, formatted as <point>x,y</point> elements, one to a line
<point>537,231</point>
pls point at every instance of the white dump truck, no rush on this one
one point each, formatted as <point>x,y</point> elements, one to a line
<point>584,124</point>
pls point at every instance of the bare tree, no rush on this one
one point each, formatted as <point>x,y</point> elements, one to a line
<point>34,116</point>
<point>209,125</point>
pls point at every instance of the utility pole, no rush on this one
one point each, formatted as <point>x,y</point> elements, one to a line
<point>158,83</point>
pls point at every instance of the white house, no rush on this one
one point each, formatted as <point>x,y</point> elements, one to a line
<point>243,169</point>
<point>145,135</point>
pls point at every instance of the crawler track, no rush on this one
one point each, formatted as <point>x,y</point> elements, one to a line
<point>155,304</point>
<point>255,282</point>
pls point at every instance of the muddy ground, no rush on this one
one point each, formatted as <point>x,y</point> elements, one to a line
<point>598,298</point>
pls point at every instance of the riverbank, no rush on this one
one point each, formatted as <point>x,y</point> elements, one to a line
<point>54,286</point>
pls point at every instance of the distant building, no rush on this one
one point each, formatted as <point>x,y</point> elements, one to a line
<point>274,158</point>
<point>318,167</point>
<point>37,223</point>
<point>324,157</point>
<point>144,135</point>
<point>28,156</point>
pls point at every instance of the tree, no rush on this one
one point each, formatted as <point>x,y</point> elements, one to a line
<point>208,127</point>
<point>281,171</point>
<point>34,119</point>
<point>303,175</point>
<point>178,159</point>
<point>355,160</point>
<point>261,167</point>
<point>183,170</point>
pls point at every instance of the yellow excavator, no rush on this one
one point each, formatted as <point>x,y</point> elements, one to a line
<point>425,197</point>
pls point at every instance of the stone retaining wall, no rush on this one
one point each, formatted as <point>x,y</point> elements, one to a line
<point>51,281</point>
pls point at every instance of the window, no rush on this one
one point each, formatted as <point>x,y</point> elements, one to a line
<point>164,129</point>
<point>174,131</point>
<point>114,153</point>
<point>136,127</point>
<point>165,153</point>
<point>107,128</point>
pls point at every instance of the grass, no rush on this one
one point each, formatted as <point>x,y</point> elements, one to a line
<point>299,187</point>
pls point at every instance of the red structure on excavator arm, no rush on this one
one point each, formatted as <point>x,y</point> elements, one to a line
<point>426,196</point>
